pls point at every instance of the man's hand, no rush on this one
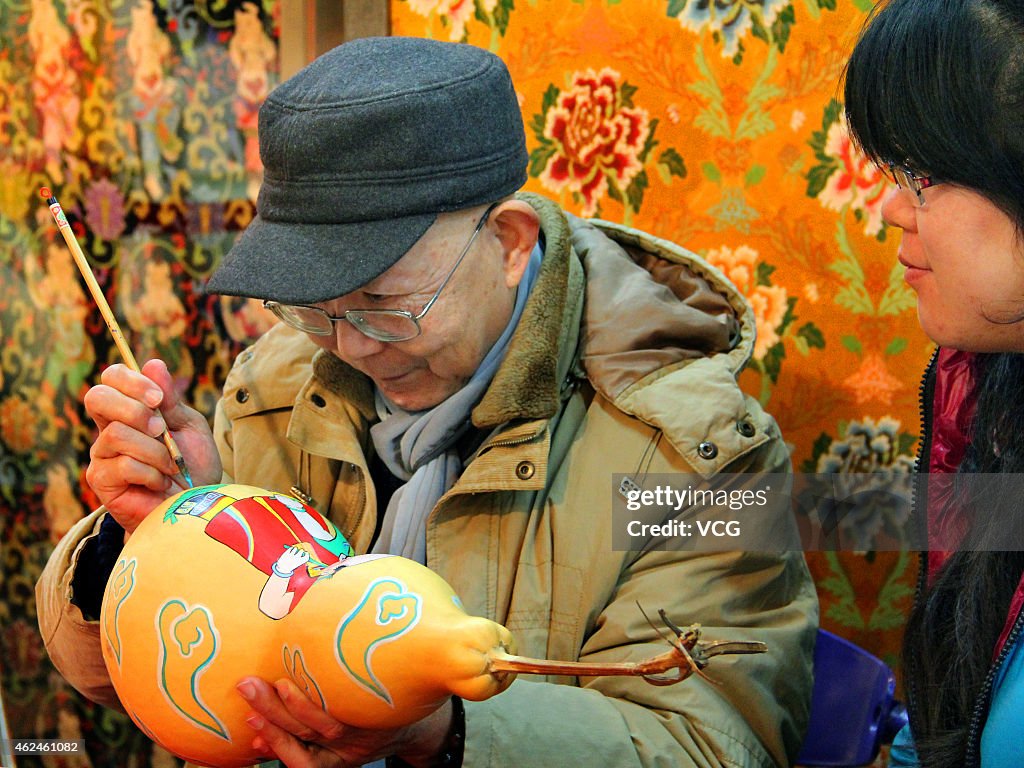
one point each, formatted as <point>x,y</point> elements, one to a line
<point>131,470</point>
<point>300,734</point>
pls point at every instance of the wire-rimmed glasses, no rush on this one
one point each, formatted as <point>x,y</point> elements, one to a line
<point>386,325</point>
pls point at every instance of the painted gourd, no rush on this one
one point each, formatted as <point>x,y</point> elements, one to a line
<point>226,581</point>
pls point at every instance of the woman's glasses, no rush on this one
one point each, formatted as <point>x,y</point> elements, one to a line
<point>907,179</point>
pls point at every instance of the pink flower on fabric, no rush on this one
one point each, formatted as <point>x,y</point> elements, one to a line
<point>858,182</point>
<point>597,137</point>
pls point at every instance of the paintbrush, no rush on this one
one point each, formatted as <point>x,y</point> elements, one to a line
<point>108,317</point>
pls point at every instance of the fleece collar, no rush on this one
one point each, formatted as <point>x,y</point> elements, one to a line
<point>543,348</point>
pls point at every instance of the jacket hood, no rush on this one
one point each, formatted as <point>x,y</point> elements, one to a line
<point>690,310</point>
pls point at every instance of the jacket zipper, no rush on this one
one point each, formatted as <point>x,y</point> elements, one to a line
<point>504,443</point>
<point>981,708</point>
<point>486,446</point>
<point>924,392</point>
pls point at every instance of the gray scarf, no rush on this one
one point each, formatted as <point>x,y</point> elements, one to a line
<point>419,446</point>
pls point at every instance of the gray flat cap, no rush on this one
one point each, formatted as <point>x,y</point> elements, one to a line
<point>362,149</point>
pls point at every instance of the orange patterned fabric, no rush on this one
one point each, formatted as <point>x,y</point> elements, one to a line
<point>713,124</point>
<point>719,126</point>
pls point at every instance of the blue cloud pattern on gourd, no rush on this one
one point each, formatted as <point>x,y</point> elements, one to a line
<point>386,609</point>
<point>122,583</point>
<point>188,644</point>
<point>295,666</point>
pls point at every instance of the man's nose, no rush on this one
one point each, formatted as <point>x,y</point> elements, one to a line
<point>353,344</point>
<point>899,209</point>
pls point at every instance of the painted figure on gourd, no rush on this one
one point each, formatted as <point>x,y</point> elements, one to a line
<point>226,581</point>
<point>292,544</point>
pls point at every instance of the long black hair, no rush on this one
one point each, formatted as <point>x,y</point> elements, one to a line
<point>938,85</point>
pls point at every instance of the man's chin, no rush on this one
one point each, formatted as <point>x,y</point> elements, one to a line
<point>410,394</point>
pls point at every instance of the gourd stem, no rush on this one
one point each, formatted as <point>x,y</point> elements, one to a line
<point>678,658</point>
<point>500,661</point>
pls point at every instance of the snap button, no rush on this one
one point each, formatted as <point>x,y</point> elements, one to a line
<point>707,450</point>
<point>525,470</point>
<point>318,400</point>
<point>242,395</point>
<point>745,428</point>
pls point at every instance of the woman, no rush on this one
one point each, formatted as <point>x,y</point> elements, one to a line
<point>934,94</point>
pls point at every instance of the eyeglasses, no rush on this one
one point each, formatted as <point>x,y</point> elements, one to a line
<point>386,325</point>
<point>907,179</point>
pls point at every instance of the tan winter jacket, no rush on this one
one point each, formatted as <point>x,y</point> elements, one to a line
<point>610,371</point>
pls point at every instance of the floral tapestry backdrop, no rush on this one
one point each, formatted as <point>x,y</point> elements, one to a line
<point>718,125</point>
<point>141,117</point>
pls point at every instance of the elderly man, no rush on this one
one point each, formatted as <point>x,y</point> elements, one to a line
<point>458,373</point>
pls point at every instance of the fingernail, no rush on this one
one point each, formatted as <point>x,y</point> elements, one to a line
<point>247,690</point>
<point>153,397</point>
<point>255,722</point>
<point>155,426</point>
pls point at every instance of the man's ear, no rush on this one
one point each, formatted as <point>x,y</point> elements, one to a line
<point>517,227</point>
